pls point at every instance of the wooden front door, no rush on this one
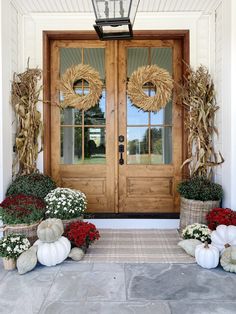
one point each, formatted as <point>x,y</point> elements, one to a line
<point>85,145</point>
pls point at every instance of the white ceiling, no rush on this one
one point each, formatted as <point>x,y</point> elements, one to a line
<point>54,6</point>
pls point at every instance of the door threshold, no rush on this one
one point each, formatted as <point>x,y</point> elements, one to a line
<point>131,215</point>
<point>131,223</point>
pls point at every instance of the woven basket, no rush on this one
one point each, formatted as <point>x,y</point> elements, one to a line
<point>30,231</point>
<point>66,222</point>
<point>192,211</point>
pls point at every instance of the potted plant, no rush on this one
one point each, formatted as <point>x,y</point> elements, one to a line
<point>197,231</point>
<point>82,234</point>
<point>36,184</point>
<point>65,204</point>
<point>198,97</point>
<point>221,216</point>
<point>22,214</point>
<point>198,196</point>
<point>11,247</point>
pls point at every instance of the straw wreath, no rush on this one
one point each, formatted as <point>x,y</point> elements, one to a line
<point>70,77</point>
<point>159,78</point>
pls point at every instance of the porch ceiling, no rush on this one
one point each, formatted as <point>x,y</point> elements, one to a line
<point>60,6</point>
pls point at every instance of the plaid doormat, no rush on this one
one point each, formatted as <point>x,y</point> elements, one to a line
<point>137,246</point>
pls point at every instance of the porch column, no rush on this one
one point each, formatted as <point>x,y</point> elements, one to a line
<point>5,108</point>
<point>228,129</point>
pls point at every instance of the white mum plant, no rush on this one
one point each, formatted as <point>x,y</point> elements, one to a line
<point>12,245</point>
<point>197,231</point>
<point>65,203</point>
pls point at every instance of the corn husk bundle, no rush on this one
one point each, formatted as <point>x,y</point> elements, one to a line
<point>198,95</point>
<point>159,78</point>
<point>25,96</point>
<point>68,80</point>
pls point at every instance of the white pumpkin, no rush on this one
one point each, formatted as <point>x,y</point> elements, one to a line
<point>228,259</point>
<point>50,230</point>
<point>51,254</point>
<point>76,254</point>
<point>223,237</point>
<point>207,256</point>
<point>27,260</point>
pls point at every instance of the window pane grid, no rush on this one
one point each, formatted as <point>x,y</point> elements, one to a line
<point>152,130</point>
<point>83,133</point>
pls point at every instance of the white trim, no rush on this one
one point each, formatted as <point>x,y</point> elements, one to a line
<point>5,108</point>
<point>135,223</point>
<point>233,103</point>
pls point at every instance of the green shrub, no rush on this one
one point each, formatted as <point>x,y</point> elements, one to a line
<point>35,184</point>
<point>201,189</point>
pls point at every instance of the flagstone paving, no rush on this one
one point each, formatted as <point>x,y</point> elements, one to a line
<point>110,288</point>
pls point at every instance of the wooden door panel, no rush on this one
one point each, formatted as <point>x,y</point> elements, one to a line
<point>95,180</point>
<point>110,187</point>
<point>148,188</point>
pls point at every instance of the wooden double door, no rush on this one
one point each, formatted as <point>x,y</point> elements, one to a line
<point>124,159</point>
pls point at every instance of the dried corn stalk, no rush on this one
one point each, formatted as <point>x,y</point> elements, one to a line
<point>25,96</point>
<point>198,95</point>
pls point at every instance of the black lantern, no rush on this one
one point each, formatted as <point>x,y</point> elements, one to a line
<point>114,18</point>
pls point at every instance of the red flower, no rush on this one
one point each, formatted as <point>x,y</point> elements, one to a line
<point>81,233</point>
<point>220,216</point>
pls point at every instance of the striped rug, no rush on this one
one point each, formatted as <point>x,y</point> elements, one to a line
<point>137,246</point>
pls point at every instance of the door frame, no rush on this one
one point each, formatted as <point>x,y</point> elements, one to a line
<point>50,36</point>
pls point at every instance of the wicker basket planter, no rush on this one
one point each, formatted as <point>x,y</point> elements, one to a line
<point>9,263</point>
<point>192,211</point>
<point>66,222</point>
<point>30,231</point>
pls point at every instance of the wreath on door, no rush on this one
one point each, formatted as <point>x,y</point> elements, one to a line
<point>160,79</point>
<point>71,77</point>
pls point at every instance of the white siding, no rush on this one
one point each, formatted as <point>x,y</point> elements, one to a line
<point>14,39</point>
<point>203,41</point>
<point>5,108</point>
<point>14,62</point>
<point>218,84</point>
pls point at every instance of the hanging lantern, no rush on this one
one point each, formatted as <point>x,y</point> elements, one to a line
<point>114,18</point>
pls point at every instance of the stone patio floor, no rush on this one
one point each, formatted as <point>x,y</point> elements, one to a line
<point>110,288</point>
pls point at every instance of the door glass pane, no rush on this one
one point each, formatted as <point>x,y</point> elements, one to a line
<point>137,57</point>
<point>136,116</point>
<point>97,114</point>
<point>71,116</point>
<point>137,145</point>
<point>83,144</point>
<point>95,57</point>
<point>69,57</point>
<point>94,145</point>
<point>162,57</point>
<point>161,145</point>
<point>164,116</point>
<point>71,145</point>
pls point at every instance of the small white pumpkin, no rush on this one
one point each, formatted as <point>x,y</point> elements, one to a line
<point>27,260</point>
<point>76,254</point>
<point>223,237</point>
<point>207,256</point>
<point>51,254</point>
<point>228,259</point>
<point>50,230</point>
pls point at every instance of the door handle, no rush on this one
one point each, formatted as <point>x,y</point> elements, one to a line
<point>121,151</point>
